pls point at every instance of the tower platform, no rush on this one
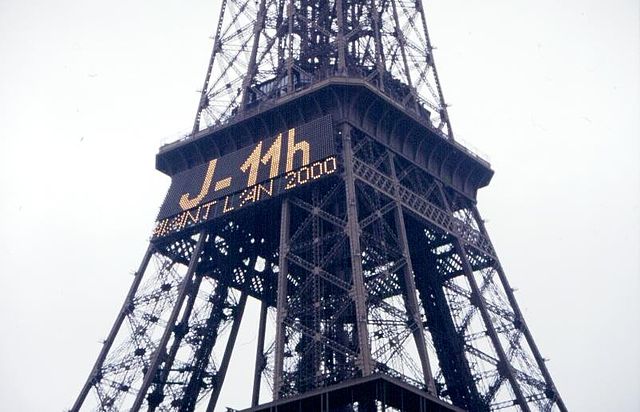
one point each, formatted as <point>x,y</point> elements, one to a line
<point>362,395</point>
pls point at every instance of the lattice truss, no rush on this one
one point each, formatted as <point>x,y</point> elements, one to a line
<point>397,337</point>
<point>266,49</point>
<point>437,302</point>
<point>319,338</point>
<point>118,380</point>
<point>320,344</point>
<point>481,352</point>
<point>230,268</point>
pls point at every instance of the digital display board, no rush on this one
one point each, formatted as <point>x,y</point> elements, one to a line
<point>254,173</point>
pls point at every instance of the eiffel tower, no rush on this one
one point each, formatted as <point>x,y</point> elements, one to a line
<point>322,179</point>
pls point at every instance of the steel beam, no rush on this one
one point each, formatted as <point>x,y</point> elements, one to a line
<point>185,287</point>
<point>377,24</point>
<point>226,358</point>
<point>431,63</point>
<point>448,343</point>
<point>290,14</point>
<point>402,43</point>
<point>251,67</point>
<point>504,367</point>
<point>283,267</point>
<point>202,357</point>
<point>260,360</point>
<point>180,330</point>
<point>340,38</point>
<point>410,292</point>
<point>122,315</point>
<point>359,292</point>
<point>205,87</point>
<point>423,208</point>
<point>523,325</point>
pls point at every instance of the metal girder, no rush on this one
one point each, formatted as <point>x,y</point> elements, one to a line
<point>423,208</point>
<point>224,365</point>
<point>106,347</point>
<point>185,290</point>
<point>357,276</point>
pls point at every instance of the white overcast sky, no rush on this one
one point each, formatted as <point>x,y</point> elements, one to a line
<point>549,89</point>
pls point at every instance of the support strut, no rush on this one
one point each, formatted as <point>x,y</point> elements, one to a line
<point>185,288</point>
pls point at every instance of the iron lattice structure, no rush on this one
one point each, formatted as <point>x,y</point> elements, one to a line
<point>264,50</point>
<point>382,269</point>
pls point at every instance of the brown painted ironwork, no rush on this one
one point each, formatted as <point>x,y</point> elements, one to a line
<point>378,284</point>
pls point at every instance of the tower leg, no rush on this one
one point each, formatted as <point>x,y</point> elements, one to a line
<point>115,328</point>
<point>159,353</point>
<point>410,292</point>
<point>259,364</point>
<point>448,343</point>
<point>504,367</point>
<point>226,358</point>
<point>283,267</point>
<point>202,358</point>
<point>156,396</point>
<point>523,326</point>
<point>353,227</point>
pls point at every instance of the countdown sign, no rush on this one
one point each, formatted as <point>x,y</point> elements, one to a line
<point>249,175</point>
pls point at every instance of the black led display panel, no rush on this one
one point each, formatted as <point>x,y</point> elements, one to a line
<point>251,174</point>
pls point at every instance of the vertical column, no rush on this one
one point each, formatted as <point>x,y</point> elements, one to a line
<point>179,331</point>
<point>259,364</point>
<point>290,14</point>
<point>375,17</point>
<point>202,356</point>
<point>359,293</point>
<point>402,42</point>
<point>185,287</point>
<point>283,267</point>
<point>340,41</point>
<point>116,327</point>
<point>252,68</point>
<point>410,292</point>
<point>226,358</point>
<point>448,343</point>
